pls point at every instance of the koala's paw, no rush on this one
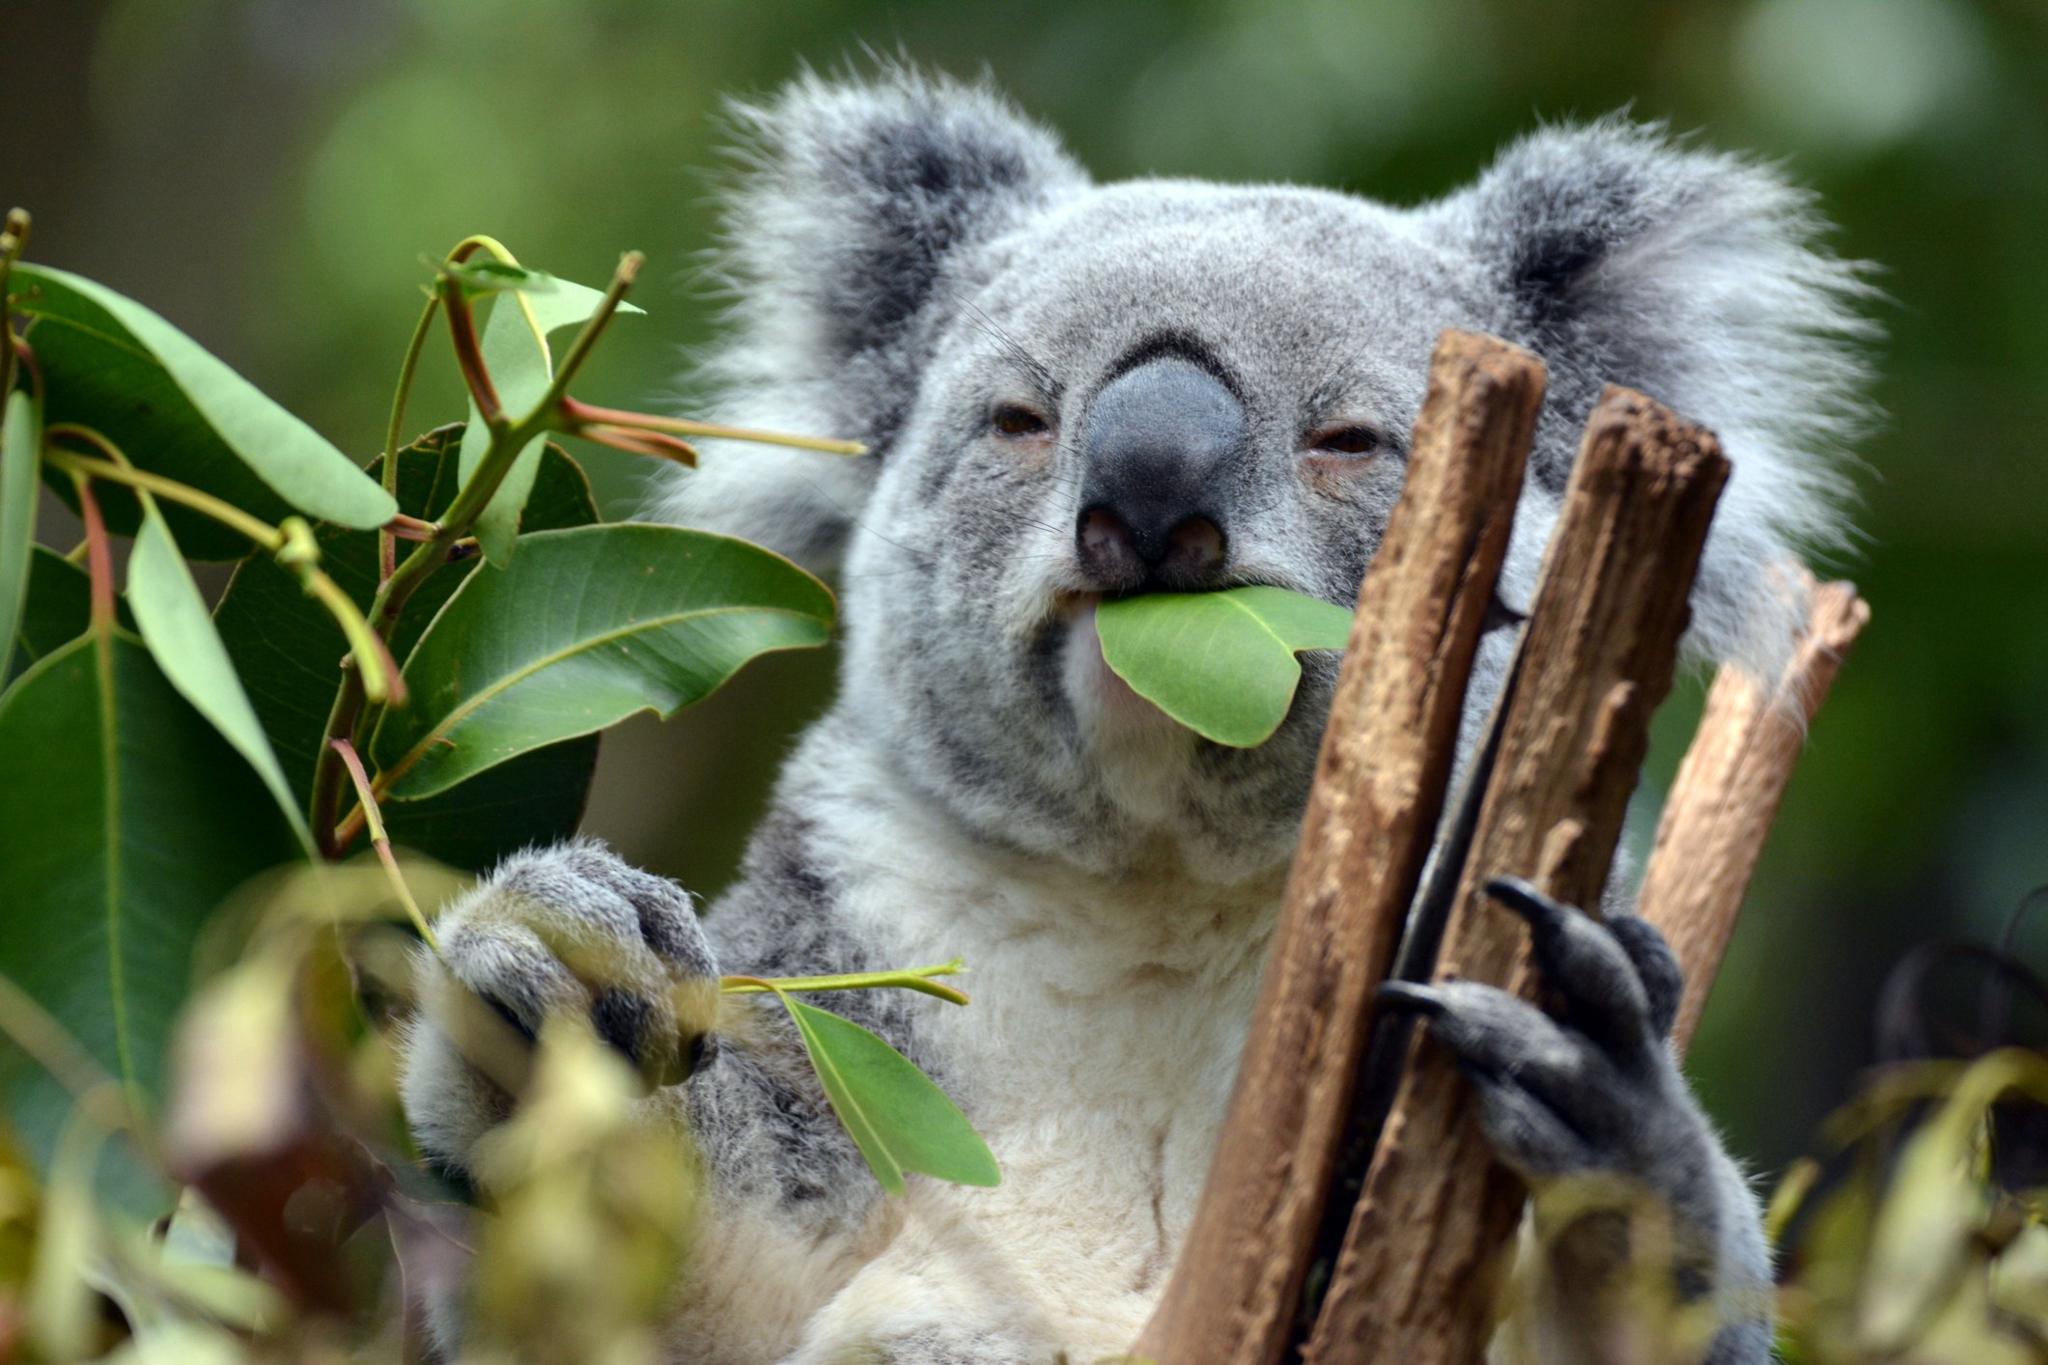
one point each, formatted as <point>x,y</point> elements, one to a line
<point>1594,1090</point>
<point>565,930</point>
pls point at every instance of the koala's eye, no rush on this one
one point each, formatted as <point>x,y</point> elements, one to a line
<point>1014,419</point>
<point>1347,440</point>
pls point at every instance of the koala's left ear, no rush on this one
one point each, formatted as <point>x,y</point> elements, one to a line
<point>856,211</point>
<point>1623,255</point>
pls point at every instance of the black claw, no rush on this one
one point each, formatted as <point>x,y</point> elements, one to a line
<point>1407,996</point>
<point>1541,911</point>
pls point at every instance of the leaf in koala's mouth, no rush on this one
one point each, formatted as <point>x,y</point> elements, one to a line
<point>1220,663</point>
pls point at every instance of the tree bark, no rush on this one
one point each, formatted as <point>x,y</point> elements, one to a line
<point>1377,796</point>
<point>1727,793</point>
<point>1416,1279</point>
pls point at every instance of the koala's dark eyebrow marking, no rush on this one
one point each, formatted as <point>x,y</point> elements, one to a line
<point>1041,373</point>
<point>1181,346</point>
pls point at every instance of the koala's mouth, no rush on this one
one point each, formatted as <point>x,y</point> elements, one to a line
<point>1075,678</point>
<point>1093,694</point>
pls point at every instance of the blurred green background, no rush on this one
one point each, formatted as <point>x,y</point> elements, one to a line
<point>272,175</point>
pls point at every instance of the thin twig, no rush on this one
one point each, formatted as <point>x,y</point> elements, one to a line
<point>118,468</point>
<point>99,556</point>
<point>908,978</point>
<point>381,841</point>
<point>469,357</point>
<point>593,327</point>
<point>657,444</point>
<point>372,658</point>
<point>13,241</point>
<point>588,414</point>
<point>386,553</point>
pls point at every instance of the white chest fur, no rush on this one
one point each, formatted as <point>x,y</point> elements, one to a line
<point>1097,1060</point>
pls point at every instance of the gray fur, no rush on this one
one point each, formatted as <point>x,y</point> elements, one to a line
<point>907,254</point>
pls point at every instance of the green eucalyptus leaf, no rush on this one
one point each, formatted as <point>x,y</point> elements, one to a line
<point>177,410</point>
<point>487,276</point>
<point>57,610</point>
<point>895,1115</point>
<point>125,820</point>
<point>583,629</point>
<point>288,652</point>
<point>21,445</point>
<point>515,351</point>
<point>1220,663</point>
<point>179,631</point>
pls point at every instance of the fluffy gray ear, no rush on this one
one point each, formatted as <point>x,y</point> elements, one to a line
<point>1625,255</point>
<point>853,217</point>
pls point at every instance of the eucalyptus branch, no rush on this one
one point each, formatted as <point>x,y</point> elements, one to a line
<point>469,356</point>
<point>345,716</point>
<point>99,557</point>
<point>623,276</point>
<point>379,840</point>
<point>484,242</point>
<point>556,411</point>
<point>298,553</point>
<point>654,443</point>
<point>357,819</point>
<point>403,527</point>
<point>118,468</point>
<point>353,824</point>
<point>577,416</point>
<point>13,241</point>
<point>25,354</point>
<point>386,559</point>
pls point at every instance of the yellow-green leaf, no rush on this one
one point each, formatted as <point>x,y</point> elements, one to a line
<point>179,631</point>
<point>178,410</point>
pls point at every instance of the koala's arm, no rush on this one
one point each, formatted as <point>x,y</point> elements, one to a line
<point>1596,1091</point>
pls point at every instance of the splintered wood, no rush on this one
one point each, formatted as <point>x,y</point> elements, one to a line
<point>1727,793</point>
<point>1378,792</point>
<point>1416,1280</point>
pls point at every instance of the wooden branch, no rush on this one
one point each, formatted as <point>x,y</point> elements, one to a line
<point>1416,1279</point>
<point>1378,792</point>
<point>1727,793</point>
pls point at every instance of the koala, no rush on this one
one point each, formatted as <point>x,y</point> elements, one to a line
<point>1067,390</point>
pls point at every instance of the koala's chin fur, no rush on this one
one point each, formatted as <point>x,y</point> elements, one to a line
<point>908,258</point>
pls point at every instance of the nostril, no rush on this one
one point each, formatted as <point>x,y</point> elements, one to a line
<point>1196,547</point>
<point>1105,540</point>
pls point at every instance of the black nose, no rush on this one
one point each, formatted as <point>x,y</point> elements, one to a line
<point>1156,491</point>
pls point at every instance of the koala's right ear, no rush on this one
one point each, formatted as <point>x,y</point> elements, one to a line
<point>857,201</point>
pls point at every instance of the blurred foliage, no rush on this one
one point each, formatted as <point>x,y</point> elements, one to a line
<point>1918,1233</point>
<point>212,156</point>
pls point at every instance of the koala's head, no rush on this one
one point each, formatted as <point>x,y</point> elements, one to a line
<point>1071,389</point>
